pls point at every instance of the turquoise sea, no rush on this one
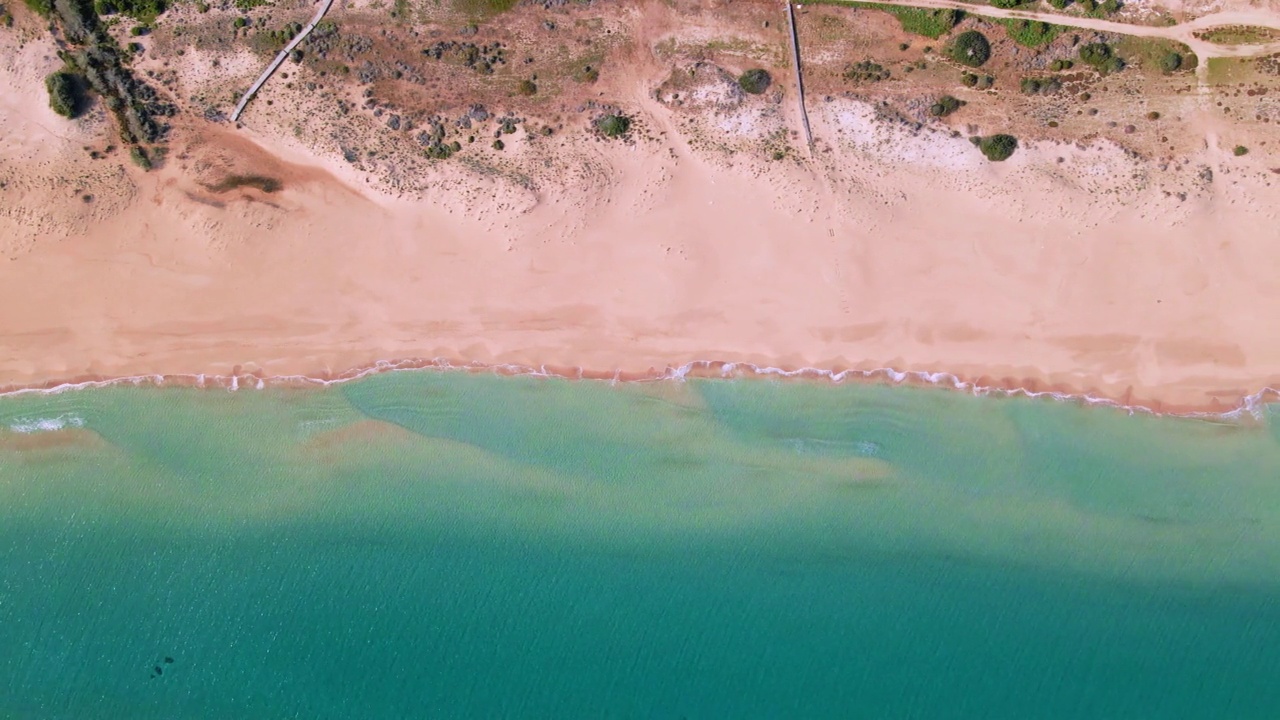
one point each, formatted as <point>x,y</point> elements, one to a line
<point>451,545</point>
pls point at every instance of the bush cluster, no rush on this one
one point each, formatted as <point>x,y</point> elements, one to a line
<point>945,106</point>
<point>1040,86</point>
<point>996,148</point>
<point>1100,57</point>
<point>923,21</point>
<point>1170,62</point>
<point>977,82</point>
<point>866,72</point>
<point>755,81</point>
<point>613,125</point>
<point>1031,33</point>
<point>64,93</point>
<point>970,48</point>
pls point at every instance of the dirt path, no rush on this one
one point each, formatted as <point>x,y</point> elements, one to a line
<point>1184,33</point>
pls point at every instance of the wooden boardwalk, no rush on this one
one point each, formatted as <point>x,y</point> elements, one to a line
<point>795,60</point>
<point>279,59</point>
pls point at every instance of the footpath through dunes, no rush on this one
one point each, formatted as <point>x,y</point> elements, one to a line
<point>279,59</point>
<point>1182,32</point>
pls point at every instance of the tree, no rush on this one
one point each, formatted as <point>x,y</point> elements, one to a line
<point>64,93</point>
<point>1170,62</point>
<point>755,81</point>
<point>970,48</point>
<point>998,148</point>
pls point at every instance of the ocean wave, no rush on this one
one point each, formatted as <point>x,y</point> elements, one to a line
<point>1252,406</point>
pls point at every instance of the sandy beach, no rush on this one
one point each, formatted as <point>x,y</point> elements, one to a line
<point>1071,267</point>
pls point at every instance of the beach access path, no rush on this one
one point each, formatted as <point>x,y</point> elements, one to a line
<point>795,60</point>
<point>1182,32</point>
<point>280,58</point>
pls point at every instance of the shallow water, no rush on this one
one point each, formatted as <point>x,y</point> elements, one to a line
<point>452,545</point>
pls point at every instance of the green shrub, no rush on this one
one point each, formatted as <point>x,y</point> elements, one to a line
<point>1060,4</point>
<point>1110,6</point>
<point>866,72</point>
<point>1240,150</point>
<point>969,80</point>
<point>144,11</point>
<point>1031,33</point>
<point>922,21</point>
<point>1100,57</point>
<point>239,22</point>
<point>1006,4</point>
<point>945,106</point>
<point>41,7</point>
<point>498,144</point>
<point>439,151</point>
<point>613,125</point>
<point>755,81</point>
<point>1060,65</point>
<point>1040,86</point>
<point>64,93</point>
<point>1170,62</point>
<point>998,148</point>
<point>970,48</point>
<point>139,157</point>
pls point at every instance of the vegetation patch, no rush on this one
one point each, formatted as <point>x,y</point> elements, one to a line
<point>483,8</point>
<point>1240,150</point>
<point>1100,57</point>
<point>866,72</point>
<point>983,82</point>
<point>1239,35</point>
<point>144,11</point>
<point>970,48</point>
<point>481,58</point>
<point>755,81</point>
<point>1167,56</point>
<point>90,52</point>
<point>1040,86</point>
<point>65,93</point>
<point>945,105</point>
<point>1031,33</point>
<point>613,125</point>
<point>258,182</point>
<point>996,148</point>
<point>917,21</point>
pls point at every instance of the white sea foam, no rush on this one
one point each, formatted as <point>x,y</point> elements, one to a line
<point>50,424</point>
<point>1250,406</point>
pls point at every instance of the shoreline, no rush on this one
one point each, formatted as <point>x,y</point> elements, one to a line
<point>1247,408</point>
